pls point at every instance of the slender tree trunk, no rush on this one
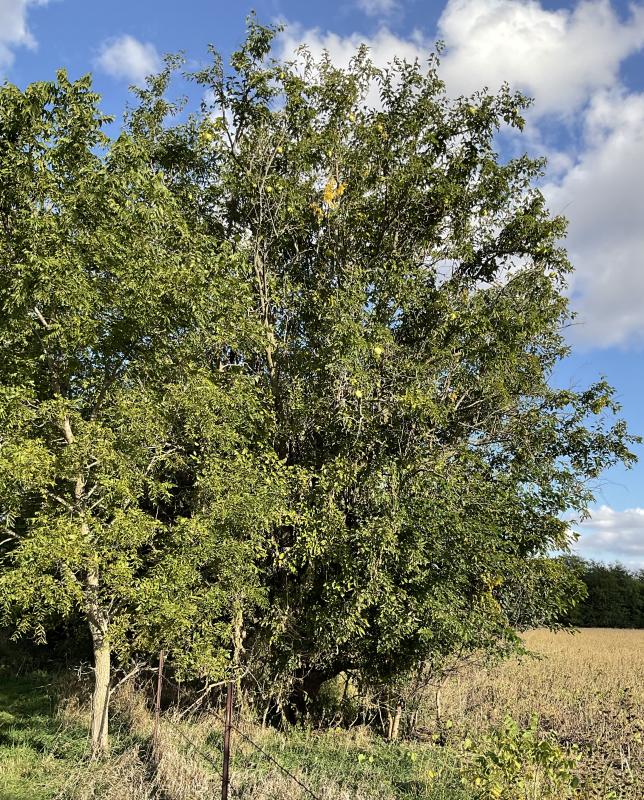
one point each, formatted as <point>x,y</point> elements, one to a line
<point>413,719</point>
<point>101,696</point>
<point>98,620</point>
<point>393,718</point>
<point>390,723</point>
<point>395,723</point>
<point>99,628</point>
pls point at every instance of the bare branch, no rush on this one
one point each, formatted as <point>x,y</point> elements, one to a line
<point>41,318</point>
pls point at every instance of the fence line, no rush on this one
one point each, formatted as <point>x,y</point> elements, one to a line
<point>270,758</point>
<point>229,726</point>
<point>198,750</point>
<point>225,777</point>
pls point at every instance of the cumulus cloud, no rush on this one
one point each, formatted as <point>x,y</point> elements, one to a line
<point>602,196</point>
<point>128,58</point>
<point>375,8</point>
<point>14,31</point>
<point>558,57</point>
<point>384,45</point>
<point>610,535</point>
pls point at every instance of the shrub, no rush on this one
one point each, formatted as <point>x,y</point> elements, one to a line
<point>511,763</point>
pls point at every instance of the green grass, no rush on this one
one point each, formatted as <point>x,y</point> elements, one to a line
<point>36,750</point>
<point>362,765</point>
<point>44,755</point>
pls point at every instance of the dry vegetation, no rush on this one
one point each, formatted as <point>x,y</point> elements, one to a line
<point>586,688</point>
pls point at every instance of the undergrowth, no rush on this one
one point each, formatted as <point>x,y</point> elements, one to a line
<point>586,742</point>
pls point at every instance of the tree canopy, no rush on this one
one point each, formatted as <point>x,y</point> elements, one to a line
<point>276,374</point>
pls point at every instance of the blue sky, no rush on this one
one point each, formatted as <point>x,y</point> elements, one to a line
<point>583,62</point>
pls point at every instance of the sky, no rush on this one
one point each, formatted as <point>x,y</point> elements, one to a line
<point>581,60</point>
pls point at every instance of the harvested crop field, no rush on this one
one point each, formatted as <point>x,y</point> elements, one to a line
<point>587,687</point>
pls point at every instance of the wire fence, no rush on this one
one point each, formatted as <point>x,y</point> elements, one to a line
<point>222,765</point>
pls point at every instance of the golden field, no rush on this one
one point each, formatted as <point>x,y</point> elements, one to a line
<point>587,687</point>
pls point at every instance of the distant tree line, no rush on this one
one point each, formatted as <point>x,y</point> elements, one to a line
<point>615,596</point>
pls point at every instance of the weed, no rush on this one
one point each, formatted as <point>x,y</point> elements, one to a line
<point>514,763</point>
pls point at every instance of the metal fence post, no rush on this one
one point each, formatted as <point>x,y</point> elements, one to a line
<point>225,780</point>
<point>157,703</point>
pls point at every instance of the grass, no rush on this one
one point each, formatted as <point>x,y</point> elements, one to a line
<point>36,747</point>
<point>44,748</point>
<point>588,690</point>
<point>357,765</point>
<point>334,764</point>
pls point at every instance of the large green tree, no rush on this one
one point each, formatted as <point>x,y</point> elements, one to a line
<point>134,483</point>
<point>411,286</point>
<point>277,377</point>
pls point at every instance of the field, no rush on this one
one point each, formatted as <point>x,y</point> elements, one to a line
<point>586,688</point>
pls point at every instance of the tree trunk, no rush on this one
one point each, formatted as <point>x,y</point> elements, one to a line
<point>99,628</point>
<point>393,721</point>
<point>98,620</point>
<point>101,696</point>
<point>390,724</point>
<point>395,728</point>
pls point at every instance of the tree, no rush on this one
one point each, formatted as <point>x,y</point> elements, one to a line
<point>614,596</point>
<point>411,288</point>
<point>277,375</point>
<point>133,479</point>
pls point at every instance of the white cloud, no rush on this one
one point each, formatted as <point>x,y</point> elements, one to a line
<point>558,57</point>
<point>128,58</point>
<point>376,8</point>
<point>383,45</point>
<point>603,197</point>
<point>14,31</point>
<point>561,58</point>
<point>610,535</point>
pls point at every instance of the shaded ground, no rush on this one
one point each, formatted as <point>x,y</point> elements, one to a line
<point>36,749</point>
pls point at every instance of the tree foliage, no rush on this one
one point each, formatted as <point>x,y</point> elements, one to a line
<point>135,478</point>
<point>277,377</point>
<point>410,285</point>
<point>614,595</point>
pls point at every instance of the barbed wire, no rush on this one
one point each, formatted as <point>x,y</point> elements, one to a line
<point>268,756</point>
<point>198,750</point>
<point>251,741</point>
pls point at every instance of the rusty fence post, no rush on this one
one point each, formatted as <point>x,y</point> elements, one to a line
<point>157,702</point>
<point>225,779</point>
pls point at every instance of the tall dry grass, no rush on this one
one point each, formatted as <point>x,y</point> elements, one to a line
<point>126,775</point>
<point>587,688</point>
